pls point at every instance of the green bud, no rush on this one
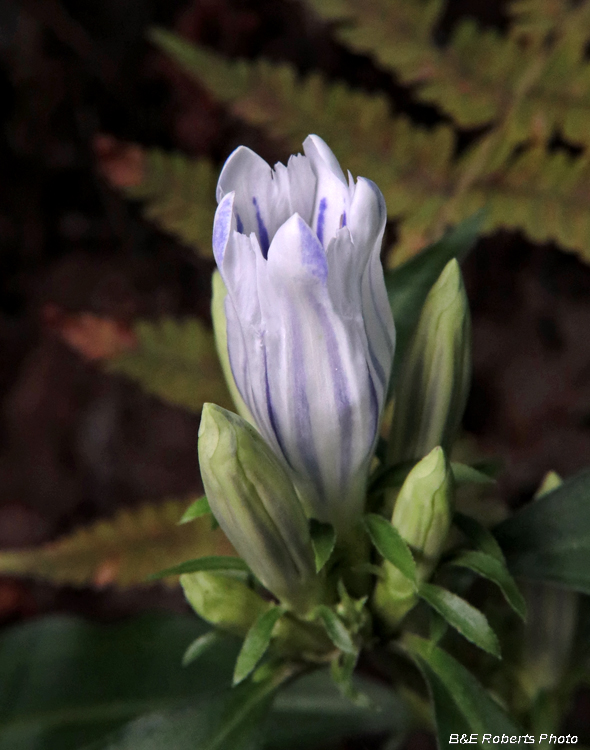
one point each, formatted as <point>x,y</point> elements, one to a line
<point>433,384</point>
<point>422,514</point>
<point>220,333</point>
<point>255,503</point>
<point>223,601</point>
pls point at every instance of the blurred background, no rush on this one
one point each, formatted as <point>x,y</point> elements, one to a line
<point>79,264</point>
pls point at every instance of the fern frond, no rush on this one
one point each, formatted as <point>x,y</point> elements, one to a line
<point>179,196</point>
<point>175,360</point>
<point>411,165</point>
<point>482,76</point>
<point>122,551</point>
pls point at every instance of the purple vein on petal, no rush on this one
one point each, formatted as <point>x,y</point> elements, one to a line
<point>239,224</point>
<point>322,219</point>
<point>302,417</point>
<point>341,391</point>
<point>262,231</point>
<point>313,257</point>
<point>343,220</point>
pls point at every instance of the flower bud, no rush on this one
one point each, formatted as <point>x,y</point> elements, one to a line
<point>224,601</point>
<point>422,515</point>
<point>433,384</point>
<point>255,504</point>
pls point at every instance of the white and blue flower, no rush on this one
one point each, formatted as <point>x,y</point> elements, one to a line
<point>310,333</point>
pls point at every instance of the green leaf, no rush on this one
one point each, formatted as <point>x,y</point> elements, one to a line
<point>464,474</point>
<point>232,721</point>
<point>491,568</point>
<point>390,544</point>
<point>336,629</point>
<point>549,539</point>
<point>195,510</point>
<point>176,361</point>
<point>201,644</point>
<point>216,562</point>
<point>481,537</point>
<point>461,704</point>
<point>323,541</point>
<point>66,683</point>
<point>461,615</point>
<point>256,643</point>
<point>409,284</point>
<point>312,713</point>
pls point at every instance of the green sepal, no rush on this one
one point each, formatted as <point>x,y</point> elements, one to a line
<point>195,510</point>
<point>491,568</point>
<point>342,671</point>
<point>464,617</point>
<point>256,643</point>
<point>214,562</point>
<point>390,545</point>
<point>335,629</point>
<point>200,645</point>
<point>323,541</point>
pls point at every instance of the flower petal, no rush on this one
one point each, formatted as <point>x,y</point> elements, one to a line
<point>260,206</point>
<point>332,196</point>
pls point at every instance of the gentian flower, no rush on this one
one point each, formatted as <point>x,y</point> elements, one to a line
<point>310,333</point>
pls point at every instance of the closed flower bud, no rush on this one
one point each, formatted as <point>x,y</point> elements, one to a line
<point>255,503</point>
<point>433,384</point>
<point>422,515</point>
<point>223,601</point>
<point>310,335</point>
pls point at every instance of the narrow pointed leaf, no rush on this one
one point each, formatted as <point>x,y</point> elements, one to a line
<point>200,645</point>
<point>465,474</point>
<point>491,568</point>
<point>461,703</point>
<point>481,537</point>
<point>336,630</point>
<point>390,544</point>
<point>217,562</point>
<point>195,510</point>
<point>256,642</point>
<point>465,618</point>
<point>323,540</point>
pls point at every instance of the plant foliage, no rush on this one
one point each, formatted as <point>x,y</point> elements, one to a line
<point>176,361</point>
<point>123,551</point>
<point>520,89</point>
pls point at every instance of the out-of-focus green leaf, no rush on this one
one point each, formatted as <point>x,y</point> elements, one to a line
<point>176,361</point>
<point>461,704</point>
<point>465,474</point>
<point>464,617</point>
<point>408,285</point>
<point>549,539</point>
<point>65,682</point>
<point>481,537</point>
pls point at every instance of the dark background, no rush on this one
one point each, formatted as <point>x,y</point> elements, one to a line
<point>75,443</point>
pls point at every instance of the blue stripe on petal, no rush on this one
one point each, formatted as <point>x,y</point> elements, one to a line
<point>343,220</point>
<point>341,393</point>
<point>321,219</point>
<point>262,231</point>
<point>313,257</point>
<point>239,224</point>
